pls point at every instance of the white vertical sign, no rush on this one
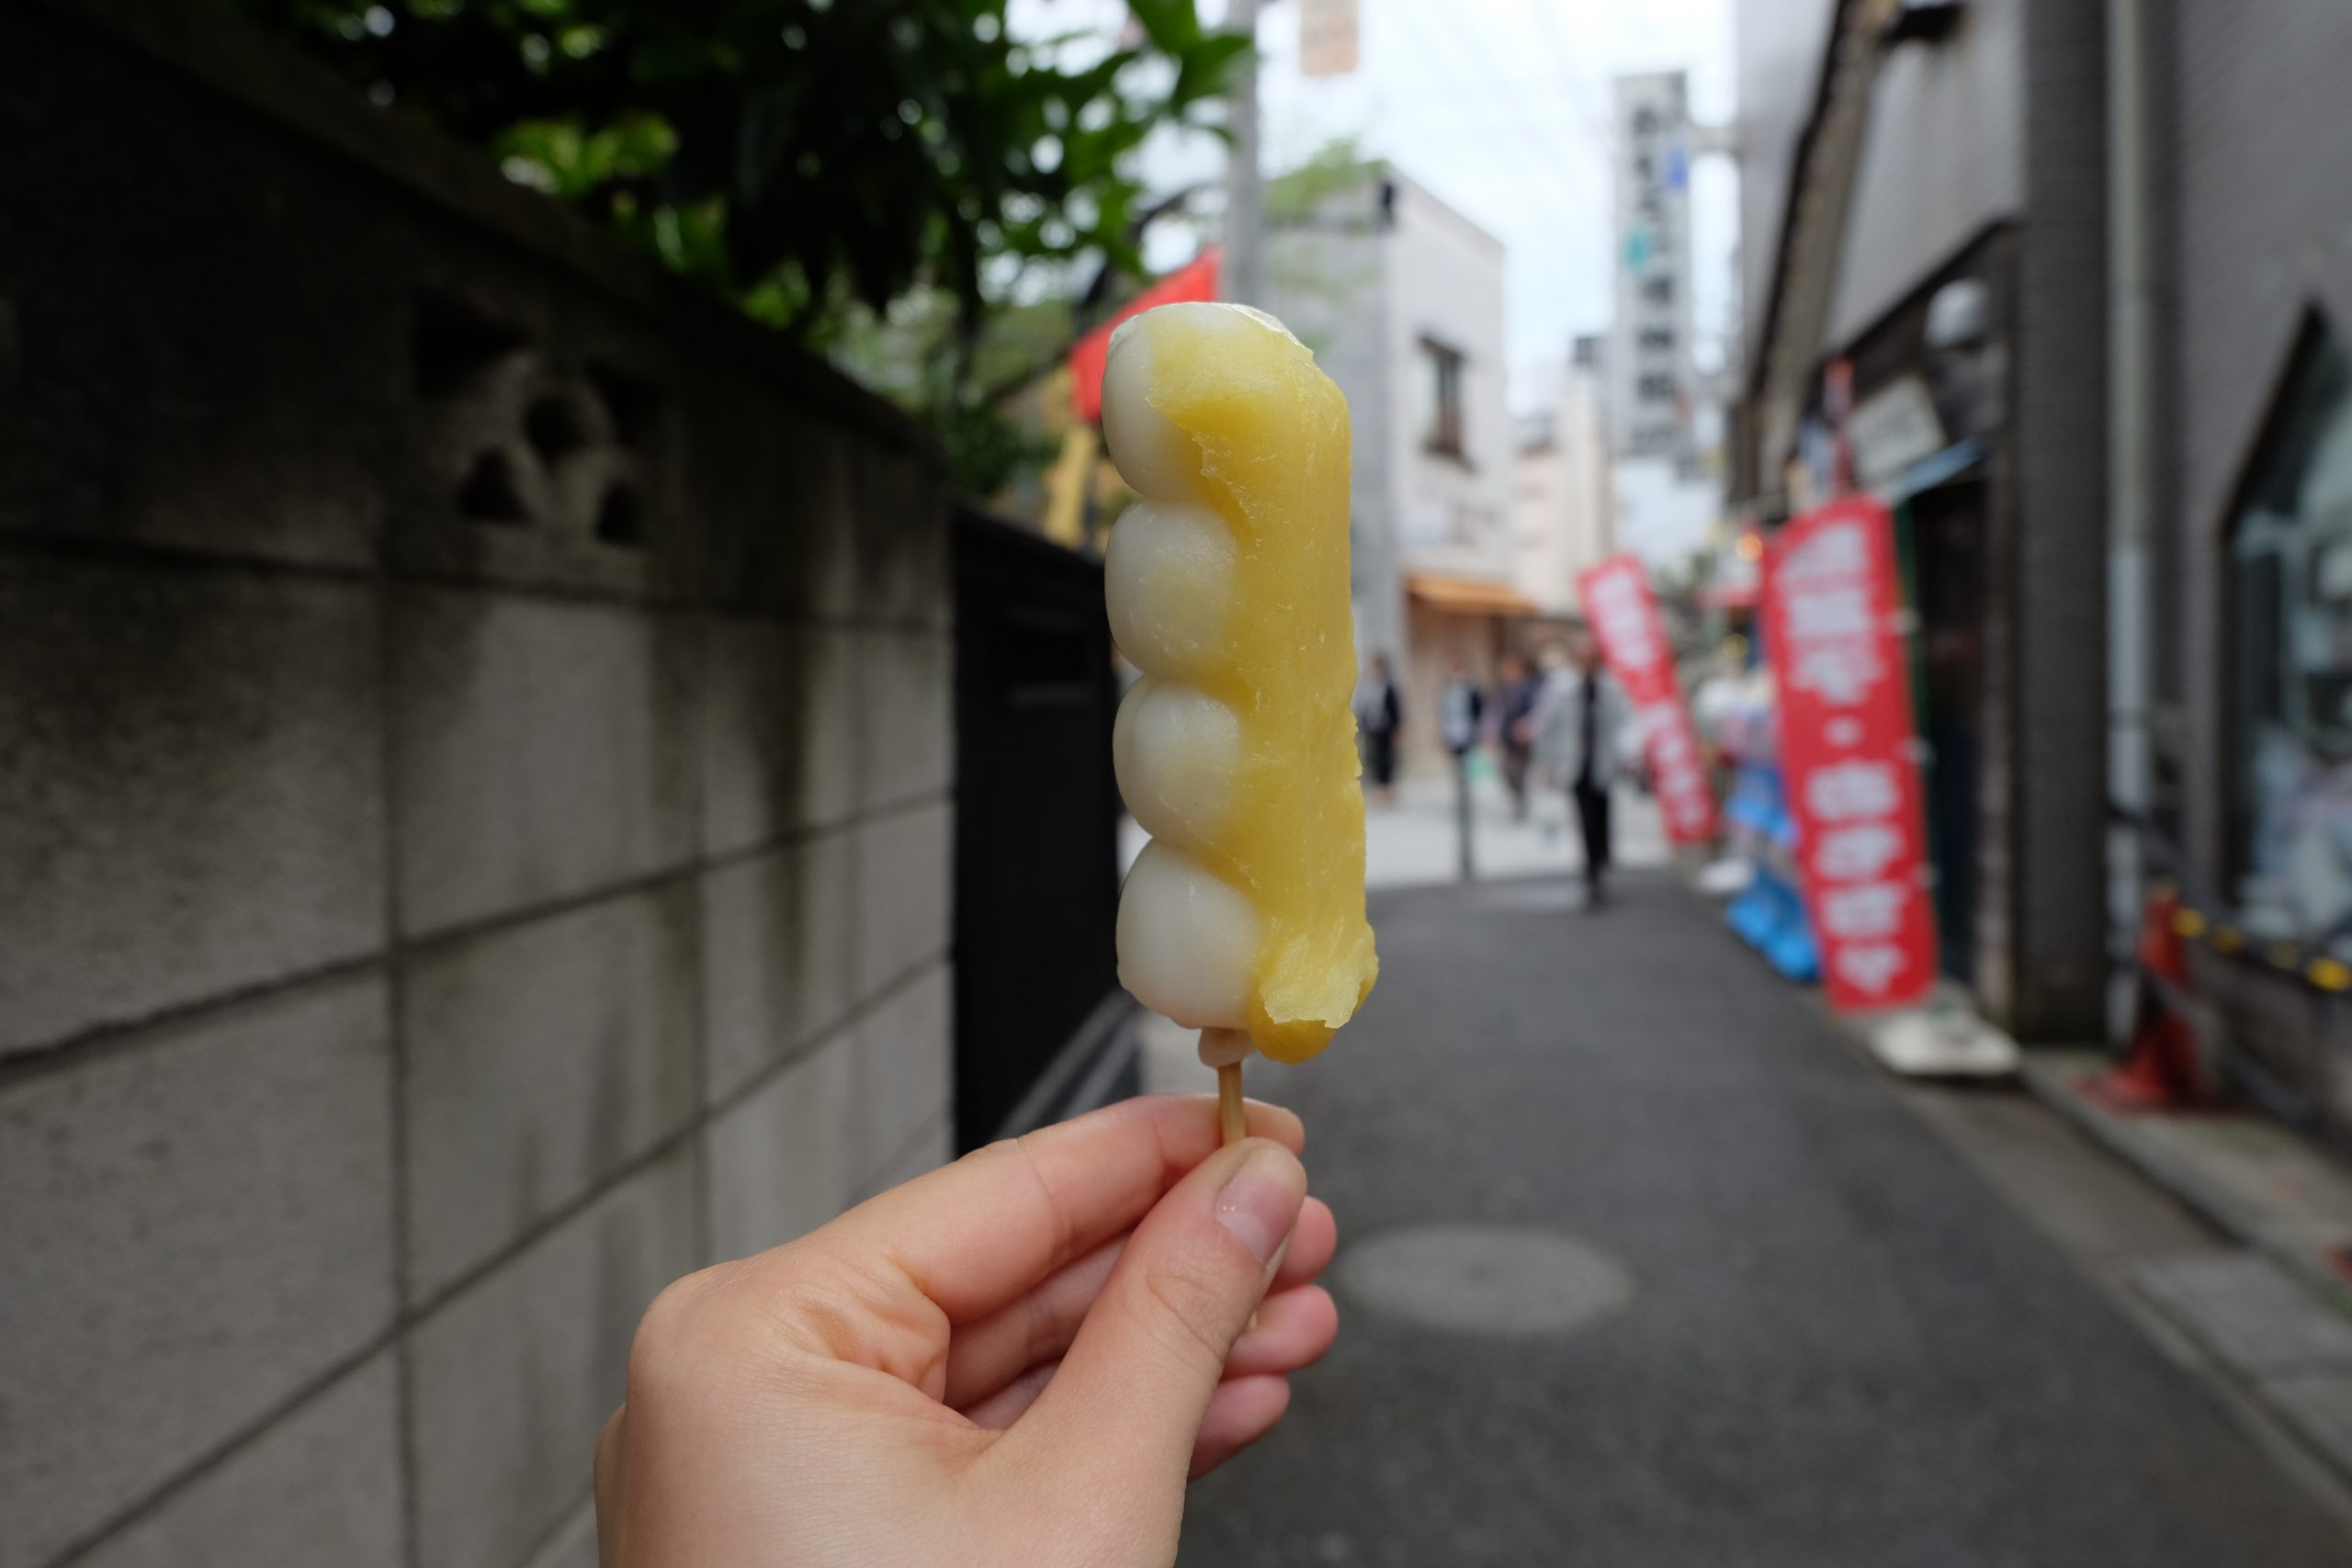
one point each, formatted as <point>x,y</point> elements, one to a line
<point>1329,34</point>
<point>1651,377</point>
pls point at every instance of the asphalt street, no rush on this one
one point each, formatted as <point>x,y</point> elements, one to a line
<point>1840,1345</point>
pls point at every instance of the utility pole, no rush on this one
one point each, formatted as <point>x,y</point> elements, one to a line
<point>1245,242</point>
<point>1464,861</point>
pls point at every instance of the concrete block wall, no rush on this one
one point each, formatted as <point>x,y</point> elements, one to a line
<point>475,794</point>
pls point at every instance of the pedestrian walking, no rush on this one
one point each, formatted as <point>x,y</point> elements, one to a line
<point>1380,720</point>
<point>1580,723</point>
<point>1516,691</point>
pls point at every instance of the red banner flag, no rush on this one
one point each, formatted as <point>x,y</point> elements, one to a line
<point>1196,279</point>
<point>1847,754</point>
<point>1623,613</point>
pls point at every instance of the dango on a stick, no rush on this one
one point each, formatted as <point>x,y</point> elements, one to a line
<point>1228,588</point>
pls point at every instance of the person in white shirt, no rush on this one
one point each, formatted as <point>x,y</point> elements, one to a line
<point>1580,724</point>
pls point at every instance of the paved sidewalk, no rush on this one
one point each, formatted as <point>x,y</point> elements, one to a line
<point>1788,1323</point>
<point>1415,843</point>
<point>2270,1187</point>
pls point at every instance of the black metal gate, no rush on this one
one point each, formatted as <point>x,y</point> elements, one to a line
<point>1037,818</point>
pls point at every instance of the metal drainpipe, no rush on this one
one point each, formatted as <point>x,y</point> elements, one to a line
<point>2132,326</point>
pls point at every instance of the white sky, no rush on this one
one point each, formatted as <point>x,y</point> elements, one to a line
<point>1501,108</point>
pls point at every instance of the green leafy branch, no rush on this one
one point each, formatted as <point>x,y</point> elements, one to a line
<point>817,162</point>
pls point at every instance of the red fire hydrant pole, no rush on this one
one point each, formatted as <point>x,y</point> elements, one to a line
<point>2160,1068</point>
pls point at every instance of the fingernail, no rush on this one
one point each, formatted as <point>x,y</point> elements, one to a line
<point>1259,1202</point>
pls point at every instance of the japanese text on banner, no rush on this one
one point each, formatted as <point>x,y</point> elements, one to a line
<point>1623,613</point>
<point>1848,752</point>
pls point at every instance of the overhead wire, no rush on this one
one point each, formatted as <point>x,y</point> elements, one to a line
<point>1592,198</point>
<point>1584,147</point>
<point>1722,335</point>
<point>1511,137</point>
<point>1596,125</point>
<point>1569,199</point>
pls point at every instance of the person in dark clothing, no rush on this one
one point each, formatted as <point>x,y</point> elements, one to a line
<point>1380,718</point>
<point>1516,692</point>
<point>1580,724</point>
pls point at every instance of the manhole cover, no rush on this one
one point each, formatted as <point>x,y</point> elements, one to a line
<point>1486,1279</point>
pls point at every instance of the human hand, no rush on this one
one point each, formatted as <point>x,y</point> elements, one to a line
<point>1016,1359</point>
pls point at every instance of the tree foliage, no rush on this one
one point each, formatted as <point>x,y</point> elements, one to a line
<point>813,160</point>
<point>1296,195</point>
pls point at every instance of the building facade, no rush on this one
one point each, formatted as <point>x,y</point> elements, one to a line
<point>1401,298</point>
<point>1564,507</point>
<point>2230,707</point>
<point>1927,318</point>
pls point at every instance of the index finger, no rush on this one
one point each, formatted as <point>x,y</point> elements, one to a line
<point>974,1235</point>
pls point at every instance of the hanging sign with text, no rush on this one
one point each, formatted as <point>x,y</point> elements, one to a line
<point>1330,37</point>
<point>1848,753</point>
<point>1617,601</point>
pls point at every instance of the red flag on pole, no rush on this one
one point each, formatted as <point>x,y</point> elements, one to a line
<point>1617,600</point>
<point>1848,752</point>
<point>1196,279</point>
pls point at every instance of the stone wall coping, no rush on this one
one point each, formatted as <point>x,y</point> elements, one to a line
<point>223,52</point>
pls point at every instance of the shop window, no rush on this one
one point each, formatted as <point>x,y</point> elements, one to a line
<point>2290,632</point>
<point>1440,401</point>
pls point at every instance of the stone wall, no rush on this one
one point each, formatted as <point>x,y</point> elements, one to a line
<point>475,801</point>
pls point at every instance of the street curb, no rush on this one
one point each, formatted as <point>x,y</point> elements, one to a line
<point>2051,1077</point>
<point>2309,1407</point>
<point>2265,1339</point>
<point>2302,1415</point>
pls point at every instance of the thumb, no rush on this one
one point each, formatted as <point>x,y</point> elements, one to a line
<point>1127,1399</point>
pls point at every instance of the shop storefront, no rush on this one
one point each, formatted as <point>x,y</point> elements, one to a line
<point>1915,415</point>
<point>2288,827</point>
<point>2270,911</point>
<point>1928,327</point>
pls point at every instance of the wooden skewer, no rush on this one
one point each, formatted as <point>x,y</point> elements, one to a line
<point>1232,1120</point>
<point>1226,1050</point>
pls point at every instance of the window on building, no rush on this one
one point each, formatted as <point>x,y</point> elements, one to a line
<point>2291,633</point>
<point>1441,398</point>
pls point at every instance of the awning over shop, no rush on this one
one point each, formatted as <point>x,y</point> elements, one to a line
<point>1467,595</point>
<point>1941,467</point>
